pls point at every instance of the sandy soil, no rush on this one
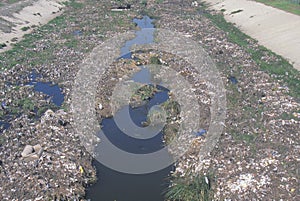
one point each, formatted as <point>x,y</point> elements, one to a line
<point>26,13</point>
<point>273,28</point>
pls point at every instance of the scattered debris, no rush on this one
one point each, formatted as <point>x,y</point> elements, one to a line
<point>121,8</point>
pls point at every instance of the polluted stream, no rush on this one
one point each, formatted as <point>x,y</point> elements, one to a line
<point>117,186</point>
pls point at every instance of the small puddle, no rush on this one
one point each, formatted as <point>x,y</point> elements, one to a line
<point>117,186</point>
<point>3,126</point>
<point>53,91</point>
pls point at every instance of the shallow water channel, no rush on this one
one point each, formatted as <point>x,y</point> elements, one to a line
<point>118,186</point>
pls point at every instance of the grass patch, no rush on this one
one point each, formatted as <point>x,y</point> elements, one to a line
<point>20,53</point>
<point>159,1</point>
<point>155,60</point>
<point>281,68</point>
<point>292,6</point>
<point>25,28</point>
<point>12,1</point>
<point>143,2</point>
<point>26,104</point>
<point>74,4</point>
<point>289,116</point>
<point>247,138</point>
<point>185,189</point>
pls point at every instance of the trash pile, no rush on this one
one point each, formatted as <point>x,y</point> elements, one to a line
<point>44,160</point>
<point>257,156</point>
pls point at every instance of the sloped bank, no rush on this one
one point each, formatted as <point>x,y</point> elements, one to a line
<point>259,145</point>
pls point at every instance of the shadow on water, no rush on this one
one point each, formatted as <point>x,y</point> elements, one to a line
<point>117,186</point>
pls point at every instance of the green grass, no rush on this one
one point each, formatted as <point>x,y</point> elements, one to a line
<point>25,28</point>
<point>74,4</point>
<point>19,52</point>
<point>286,5</point>
<point>159,1</point>
<point>155,60</point>
<point>281,68</point>
<point>12,1</point>
<point>143,2</point>
<point>26,104</point>
<point>289,116</point>
<point>184,189</point>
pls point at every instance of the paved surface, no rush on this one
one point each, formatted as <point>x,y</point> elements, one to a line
<point>26,13</point>
<point>275,29</point>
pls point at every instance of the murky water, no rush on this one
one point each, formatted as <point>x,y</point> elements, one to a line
<point>53,91</point>
<point>117,186</point>
<point>143,36</point>
<point>3,126</point>
<point>113,185</point>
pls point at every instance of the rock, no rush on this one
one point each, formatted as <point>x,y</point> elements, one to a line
<point>195,4</point>
<point>32,152</point>
<point>27,150</point>
<point>49,113</point>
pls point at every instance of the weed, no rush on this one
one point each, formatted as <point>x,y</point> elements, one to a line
<point>159,1</point>
<point>247,138</point>
<point>155,60</point>
<point>74,4</point>
<point>25,28</point>
<point>143,2</point>
<point>12,1</point>
<point>195,189</point>
<point>289,116</point>
<point>26,104</point>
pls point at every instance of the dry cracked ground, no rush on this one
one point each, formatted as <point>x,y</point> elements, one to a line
<point>256,158</point>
